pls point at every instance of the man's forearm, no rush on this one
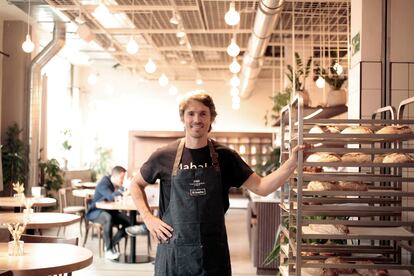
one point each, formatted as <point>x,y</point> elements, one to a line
<point>140,199</point>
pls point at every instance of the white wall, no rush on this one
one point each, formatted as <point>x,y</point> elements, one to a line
<point>402,26</point>
<point>136,105</point>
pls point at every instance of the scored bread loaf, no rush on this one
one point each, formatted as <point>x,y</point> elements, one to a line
<point>352,186</point>
<point>332,229</point>
<point>312,169</point>
<point>357,157</point>
<point>379,157</point>
<point>324,129</point>
<point>319,186</point>
<point>357,130</point>
<point>339,260</point>
<point>398,158</point>
<point>396,129</point>
<point>323,157</point>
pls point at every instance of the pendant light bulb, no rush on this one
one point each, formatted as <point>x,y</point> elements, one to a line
<point>235,106</point>
<point>150,67</point>
<point>28,45</point>
<point>175,19</point>
<point>163,80</point>
<point>234,91</point>
<point>234,67</point>
<point>92,79</point>
<point>233,49</point>
<point>232,17</point>
<point>338,68</point>
<point>132,46</point>
<point>235,81</point>
<point>320,82</point>
<point>235,100</point>
<point>199,81</point>
<point>173,90</point>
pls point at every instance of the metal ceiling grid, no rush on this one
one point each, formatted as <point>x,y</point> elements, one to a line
<point>321,24</point>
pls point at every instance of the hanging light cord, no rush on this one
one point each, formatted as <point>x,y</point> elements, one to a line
<point>28,15</point>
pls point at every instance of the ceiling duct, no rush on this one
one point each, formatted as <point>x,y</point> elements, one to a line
<point>267,18</point>
<point>35,96</point>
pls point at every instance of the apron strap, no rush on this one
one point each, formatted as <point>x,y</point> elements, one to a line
<point>214,156</point>
<point>178,157</point>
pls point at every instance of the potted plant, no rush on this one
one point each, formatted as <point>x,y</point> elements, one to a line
<point>67,134</point>
<point>298,77</point>
<point>14,158</point>
<point>51,175</point>
<point>279,100</point>
<point>336,95</point>
<point>101,166</point>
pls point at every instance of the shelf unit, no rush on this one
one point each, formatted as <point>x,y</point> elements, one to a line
<point>380,228</point>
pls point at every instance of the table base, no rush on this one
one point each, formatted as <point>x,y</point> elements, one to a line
<point>139,259</point>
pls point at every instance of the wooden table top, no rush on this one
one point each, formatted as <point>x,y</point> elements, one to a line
<point>40,220</point>
<point>45,259</point>
<point>125,204</point>
<point>87,185</point>
<point>19,202</point>
<point>83,192</point>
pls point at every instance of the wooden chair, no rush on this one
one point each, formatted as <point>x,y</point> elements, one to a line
<point>76,210</point>
<point>49,239</point>
<point>94,226</point>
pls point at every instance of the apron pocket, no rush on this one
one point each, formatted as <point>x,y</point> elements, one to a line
<point>165,263</point>
<point>189,259</point>
<point>216,259</point>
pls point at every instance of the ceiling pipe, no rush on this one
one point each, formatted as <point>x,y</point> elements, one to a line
<point>34,108</point>
<point>267,17</point>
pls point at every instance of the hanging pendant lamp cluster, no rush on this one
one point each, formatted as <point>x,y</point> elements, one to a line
<point>28,45</point>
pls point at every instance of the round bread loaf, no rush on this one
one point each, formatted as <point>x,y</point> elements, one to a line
<point>312,169</point>
<point>333,229</point>
<point>352,186</point>
<point>396,129</point>
<point>357,157</point>
<point>357,130</point>
<point>323,157</point>
<point>398,158</point>
<point>319,186</point>
<point>324,129</point>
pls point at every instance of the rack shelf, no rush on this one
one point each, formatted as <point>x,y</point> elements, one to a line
<point>376,219</point>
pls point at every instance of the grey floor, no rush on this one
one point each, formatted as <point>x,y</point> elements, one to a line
<point>238,243</point>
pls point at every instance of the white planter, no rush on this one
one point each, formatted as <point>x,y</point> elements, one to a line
<point>336,97</point>
<point>305,96</point>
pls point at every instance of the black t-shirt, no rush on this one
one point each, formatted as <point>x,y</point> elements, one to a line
<point>234,171</point>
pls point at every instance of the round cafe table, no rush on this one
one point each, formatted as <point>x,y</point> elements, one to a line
<point>126,204</point>
<point>40,220</point>
<point>17,202</point>
<point>45,259</point>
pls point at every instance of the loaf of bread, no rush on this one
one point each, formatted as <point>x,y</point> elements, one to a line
<point>339,260</point>
<point>323,157</point>
<point>379,157</point>
<point>396,129</point>
<point>324,129</point>
<point>312,169</point>
<point>332,229</point>
<point>319,186</point>
<point>398,158</point>
<point>352,186</point>
<point>357,130</point>
<point>370,272</point>
<point>357,157</point>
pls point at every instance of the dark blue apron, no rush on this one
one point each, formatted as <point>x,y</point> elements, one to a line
<point>199,242</point>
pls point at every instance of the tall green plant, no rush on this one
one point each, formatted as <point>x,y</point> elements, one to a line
<point>14,157</point>
<point>102,164</point>
<point>51,175</point>
<point>301,72</point>
<point>331,76</point>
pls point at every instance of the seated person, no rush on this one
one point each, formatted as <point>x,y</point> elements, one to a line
<point>107,189</point>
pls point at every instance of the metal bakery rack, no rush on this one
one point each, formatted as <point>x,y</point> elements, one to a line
<point>380,220</point>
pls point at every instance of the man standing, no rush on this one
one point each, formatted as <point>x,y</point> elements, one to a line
<point>107,189</point>
<point>195,176</point>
